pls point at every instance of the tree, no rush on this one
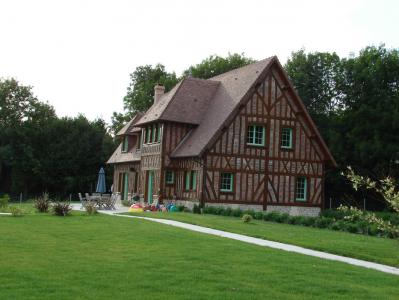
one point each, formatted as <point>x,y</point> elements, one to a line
<point>140,92</point>
<point>215,65</point>
<point>317,77</point>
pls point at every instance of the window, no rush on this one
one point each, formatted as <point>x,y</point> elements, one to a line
<point>190,180</point>
<point>286,138</point>
<point>301,189</point>
<point>125,144</point>
<point>256,135</point>
<point>148,135</point>
<point>169,177</point>
<point>154,133</point>
<point>159,133</point>
<point>226,182</point>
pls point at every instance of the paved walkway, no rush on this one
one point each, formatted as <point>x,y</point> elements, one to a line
<point>262,242</point>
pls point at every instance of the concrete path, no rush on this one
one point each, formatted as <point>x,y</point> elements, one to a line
<point>261,242</point>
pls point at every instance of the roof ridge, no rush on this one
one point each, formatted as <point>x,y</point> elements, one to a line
<point>246,66</point>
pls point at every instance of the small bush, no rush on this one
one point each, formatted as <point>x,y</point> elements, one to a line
<point>186,209</point>
<point>352,227</point>
<point>258,215</point>
<point>296,220</point>
<point>42,204</point>
<point>335,226</point>
<point>219,210</point>
<point>127,203</point>
<point>61,209</point>
<point>180,208</point>
<point>227,212</point>
<point>323,222</point>
<point>246,218</point>
<point>237,213</point>
<point>91,208</point>
<point>271,216</point>
<point>250,212</point>
<point>283,218</point>
<point>16,211</point>
<point>196,209</point>
<point>4,201</point>
<point>309,221</point>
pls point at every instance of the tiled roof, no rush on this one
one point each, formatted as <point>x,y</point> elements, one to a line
<point>185,103</point>
<point>121,157</point>
<point>232,87</point>
<point>129,127</point>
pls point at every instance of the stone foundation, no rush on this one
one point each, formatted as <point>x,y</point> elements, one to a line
<point>235,206</point>
<point>296,210</point>
<point>187,203</point>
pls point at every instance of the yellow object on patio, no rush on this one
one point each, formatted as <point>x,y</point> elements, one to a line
<point>136,208</point>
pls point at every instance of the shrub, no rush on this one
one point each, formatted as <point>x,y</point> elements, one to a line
<point>236,212</point>
<point>4,201</point>
<point>16,211</point>
<point>323,222</point>
<point>271,216</point>
<point>61,209</point>
<point>352,227</point>
<point>186,209</point>
<point>42,204</point>
<point>335,226</point>
<point>309,221</point>
<point>258,215</point>
<point>219,210</point>
<point>246,218</point>
<point>196,209</point>
<point>91,208</point>
<point>283,218</point>
<point>226,212</point>
<point>296,220</point>
<point>127,203</point>
<point>333,214</point>
<point>250,212</point>
<point>180,208</point>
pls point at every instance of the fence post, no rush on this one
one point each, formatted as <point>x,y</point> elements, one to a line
<point>70,197</point>
<point>330,202</point>
<point>364,203</point>
<point>20,198</point>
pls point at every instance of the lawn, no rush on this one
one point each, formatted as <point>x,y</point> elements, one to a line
<point>376,249</point>
<point>103,257</point>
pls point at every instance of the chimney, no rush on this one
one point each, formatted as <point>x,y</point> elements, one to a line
<point>159,90</point>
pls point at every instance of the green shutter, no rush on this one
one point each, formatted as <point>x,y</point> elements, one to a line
<point>187,181</point>
<point>125,144</point>
<point>148,135</point>
<point>194,180</point>
<point>125,185</point>
<point>159,133</point>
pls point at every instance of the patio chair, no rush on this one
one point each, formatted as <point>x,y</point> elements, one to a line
<point>82,200</point>
<point>106,201</point>
<point>87,197</point>
<point>113,199</point>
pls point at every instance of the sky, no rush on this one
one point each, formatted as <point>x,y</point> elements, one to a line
<point>78,54</point>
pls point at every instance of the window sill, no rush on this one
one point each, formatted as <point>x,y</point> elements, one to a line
<point>255,145</point>
<point>226,192</point>
<point>286,148</point>
<point>301,200</point>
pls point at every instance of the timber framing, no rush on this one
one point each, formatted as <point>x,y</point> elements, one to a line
<point>203,128</point>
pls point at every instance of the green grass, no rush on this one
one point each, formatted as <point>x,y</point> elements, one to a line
<point>381,250</point>
<point>102,257</point>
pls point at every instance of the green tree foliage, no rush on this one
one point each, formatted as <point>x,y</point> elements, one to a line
<point>317,78</point>
<point>355,104</point>
<point>140,91</point>
<point>215,65</point>
<point>40,152</point>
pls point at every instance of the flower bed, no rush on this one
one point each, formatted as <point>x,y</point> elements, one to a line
<point>349,219</point>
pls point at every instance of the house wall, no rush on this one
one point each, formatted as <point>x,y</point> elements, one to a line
<point>265,175</point>
<point>133,169</point>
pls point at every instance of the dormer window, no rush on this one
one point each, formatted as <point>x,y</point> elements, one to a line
<point>125,144</point>
<point>152,134</point>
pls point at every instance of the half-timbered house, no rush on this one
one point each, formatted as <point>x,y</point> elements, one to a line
<point>240,139</point>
